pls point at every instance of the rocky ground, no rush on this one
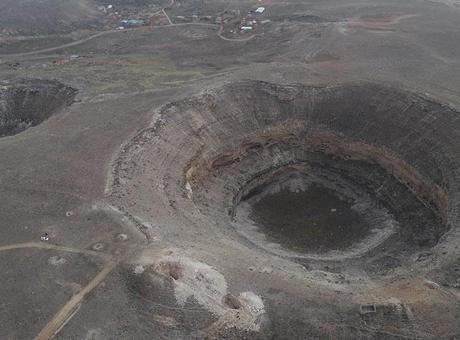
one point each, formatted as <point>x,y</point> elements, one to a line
<point>131,160</point>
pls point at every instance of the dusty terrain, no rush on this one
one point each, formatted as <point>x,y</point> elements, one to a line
<point>155,159</point>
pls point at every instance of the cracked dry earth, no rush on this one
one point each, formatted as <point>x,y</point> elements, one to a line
<point>171,182</point>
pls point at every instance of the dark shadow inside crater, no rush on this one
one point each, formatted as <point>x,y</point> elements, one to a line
<point>326,206</point>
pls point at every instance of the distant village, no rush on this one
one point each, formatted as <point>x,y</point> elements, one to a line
<point>232,22</point>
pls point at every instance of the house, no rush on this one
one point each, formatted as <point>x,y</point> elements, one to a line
<point>260,10</point>
<point>132,23</point>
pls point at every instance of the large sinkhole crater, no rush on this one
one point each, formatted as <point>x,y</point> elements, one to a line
<point>321,172</point>
<point>29,102</point>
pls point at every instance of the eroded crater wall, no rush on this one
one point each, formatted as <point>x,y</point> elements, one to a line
<point>401,132</point>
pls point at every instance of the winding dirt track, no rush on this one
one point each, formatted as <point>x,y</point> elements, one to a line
<point>70,308</point>
<point>56,48</point>
<point>52,247</point>
<point>100,34</point>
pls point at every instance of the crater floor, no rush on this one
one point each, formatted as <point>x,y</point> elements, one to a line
<point>312,220</point>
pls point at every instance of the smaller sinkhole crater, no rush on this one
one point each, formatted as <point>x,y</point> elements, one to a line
<point>29,102</point>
